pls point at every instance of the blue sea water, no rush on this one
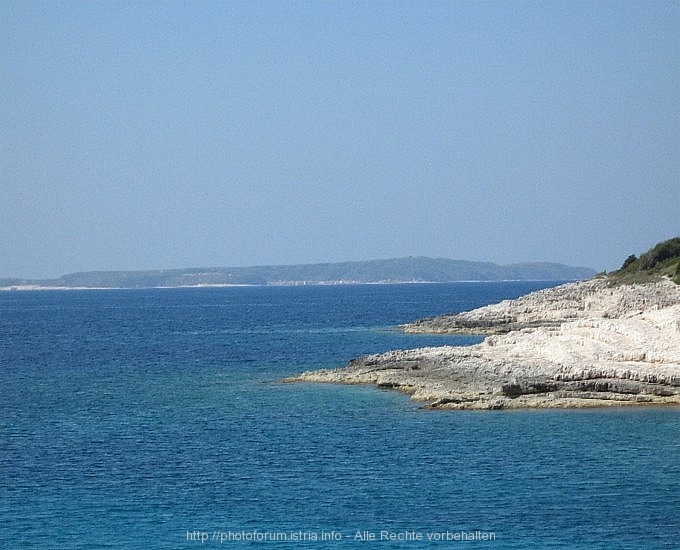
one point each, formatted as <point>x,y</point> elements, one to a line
<point>156,419</point>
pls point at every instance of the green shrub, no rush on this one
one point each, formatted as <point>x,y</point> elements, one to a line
<point>662,251</point>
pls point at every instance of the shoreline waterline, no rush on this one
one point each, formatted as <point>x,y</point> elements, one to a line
<point>579,345</point>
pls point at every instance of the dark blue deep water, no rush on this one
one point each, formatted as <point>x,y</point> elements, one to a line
<point>155,419</point>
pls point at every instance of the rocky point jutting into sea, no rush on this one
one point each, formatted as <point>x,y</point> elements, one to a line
<point>583,344</point>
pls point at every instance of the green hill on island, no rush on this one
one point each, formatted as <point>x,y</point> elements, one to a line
<point>399,270</point>
<point>662,260</point>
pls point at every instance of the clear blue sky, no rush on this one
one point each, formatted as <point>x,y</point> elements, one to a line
<point>149,135</point>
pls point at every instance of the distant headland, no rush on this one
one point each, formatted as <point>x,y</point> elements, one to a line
<point>398,270</point>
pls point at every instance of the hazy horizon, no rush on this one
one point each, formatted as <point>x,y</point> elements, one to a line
<point>165,135</point>
<point>221,267</point>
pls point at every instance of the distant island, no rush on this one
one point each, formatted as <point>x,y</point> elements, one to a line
<point>610,340</point>
<point>398,270</point>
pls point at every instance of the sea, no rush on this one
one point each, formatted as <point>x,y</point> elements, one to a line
<point>158,418</point>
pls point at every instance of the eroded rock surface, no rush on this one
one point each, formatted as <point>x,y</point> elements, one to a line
<point>577,345</point>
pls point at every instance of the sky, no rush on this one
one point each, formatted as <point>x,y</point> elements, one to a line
<point>156,135</point>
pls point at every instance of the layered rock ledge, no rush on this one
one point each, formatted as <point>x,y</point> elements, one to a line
<point>584,344</point>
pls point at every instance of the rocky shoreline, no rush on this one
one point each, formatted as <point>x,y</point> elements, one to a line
<point>586,344</point>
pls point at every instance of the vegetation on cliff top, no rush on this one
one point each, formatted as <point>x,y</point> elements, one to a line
<point>662,260</point>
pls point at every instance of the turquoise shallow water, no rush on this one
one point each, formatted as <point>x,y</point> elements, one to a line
<point>155,419</point>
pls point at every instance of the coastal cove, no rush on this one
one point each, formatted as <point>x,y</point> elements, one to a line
<point>143,418</point>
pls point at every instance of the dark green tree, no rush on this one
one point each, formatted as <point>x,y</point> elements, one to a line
<point>630,260</point>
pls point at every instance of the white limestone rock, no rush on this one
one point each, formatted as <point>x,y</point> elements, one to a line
<point>577,345</point>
